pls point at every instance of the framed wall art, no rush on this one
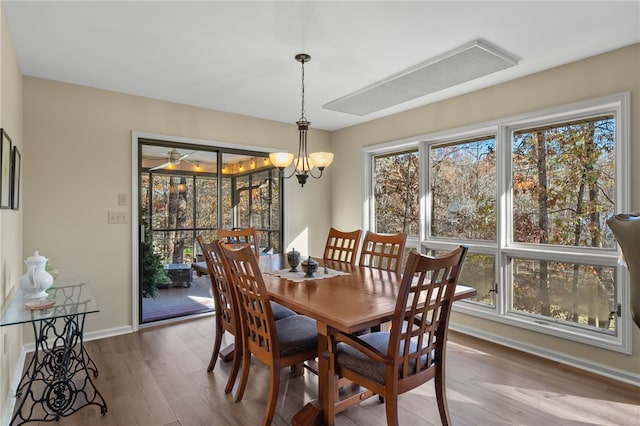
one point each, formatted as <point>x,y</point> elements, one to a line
<point>5,170</point>
<point>15,178</point>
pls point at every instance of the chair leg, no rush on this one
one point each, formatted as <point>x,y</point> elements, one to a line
<point>391,408</point>
<point>441,397</point>
<point>216,347</point>
<point>244,374</point>
<point>297,369</point>
<point>272,400</point>
<point>235,367</point>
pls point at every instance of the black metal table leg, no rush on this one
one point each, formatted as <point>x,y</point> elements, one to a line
<point>58,379</point>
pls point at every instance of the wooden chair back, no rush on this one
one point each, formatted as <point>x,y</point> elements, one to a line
<point>227,316</point>
<point>423,306</point>
<point>223,295</point>
<point>383,251</point>
<point>342,246</point>
<point>416,348</point>
<point>240,237</point>
<point>288,343</point>
<point>256,315</point>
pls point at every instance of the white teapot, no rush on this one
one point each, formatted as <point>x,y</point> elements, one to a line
<point>36,281</point>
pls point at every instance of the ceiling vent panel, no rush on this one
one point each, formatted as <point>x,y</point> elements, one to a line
<point>464,64</point>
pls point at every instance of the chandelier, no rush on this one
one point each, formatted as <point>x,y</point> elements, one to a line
<point>305,163</point>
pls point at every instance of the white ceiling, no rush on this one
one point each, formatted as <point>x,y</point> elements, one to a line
<point>238,56</point>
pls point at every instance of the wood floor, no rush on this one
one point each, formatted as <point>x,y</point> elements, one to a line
<point>158,377</point>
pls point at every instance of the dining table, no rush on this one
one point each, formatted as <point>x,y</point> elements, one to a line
<point>340,297</point>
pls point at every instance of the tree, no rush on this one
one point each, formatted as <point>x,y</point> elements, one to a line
<point>563,185</point>
<point>396,193</point>
<point>153,272</point>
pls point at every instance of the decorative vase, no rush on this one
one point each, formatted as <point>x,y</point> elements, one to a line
<point>37,280</point>
<point>310,266</point>
<point>293,257</point>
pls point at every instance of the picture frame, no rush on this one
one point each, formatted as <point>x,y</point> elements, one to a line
<point>5,170</point>
<point>16,160</point>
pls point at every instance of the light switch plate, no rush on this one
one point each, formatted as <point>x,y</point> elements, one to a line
<point>122,199</point>
<point>118,217</point>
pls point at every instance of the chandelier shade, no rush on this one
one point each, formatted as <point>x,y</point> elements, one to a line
<point>304,163</point>
<point>281,159</point>
<point>321,159</point>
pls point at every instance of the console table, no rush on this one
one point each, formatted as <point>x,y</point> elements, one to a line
<point>58,380</point>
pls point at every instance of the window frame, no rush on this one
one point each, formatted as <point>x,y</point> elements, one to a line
<point>504,248</point>
<point>368,193</point>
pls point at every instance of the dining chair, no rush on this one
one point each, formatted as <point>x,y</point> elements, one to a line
<point>413,352</point>
<point>383,251</point>
<point>240,237</point>
<point>342,246</point>
<point>286,342</point>
<point>227,316</point>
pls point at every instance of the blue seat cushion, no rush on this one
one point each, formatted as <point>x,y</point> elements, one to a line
<point>280,311</point>
<point>296,333</point>
<point>352,359</point>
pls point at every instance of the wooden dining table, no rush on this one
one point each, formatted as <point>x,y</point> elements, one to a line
<point>361,298</point>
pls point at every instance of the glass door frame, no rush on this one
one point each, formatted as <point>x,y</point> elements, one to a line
<point>138,140</point>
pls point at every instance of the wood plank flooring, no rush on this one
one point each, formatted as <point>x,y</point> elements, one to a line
<point>157,377</point>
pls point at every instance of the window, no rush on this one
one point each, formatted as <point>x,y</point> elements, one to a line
<point>563,190</point>
<point>530,196</point>
<point>170,207</point>
<point>258,204</point>
<point>396,195</point>
<point>563,183</point>
<point>463,189</point>
<point>396,183</point>
<point>187,198</point>
<point>463,204</point>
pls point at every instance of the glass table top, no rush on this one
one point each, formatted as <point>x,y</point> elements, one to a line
<point>71,297</point>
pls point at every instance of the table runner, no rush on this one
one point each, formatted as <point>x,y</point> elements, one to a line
<point>299,276</point>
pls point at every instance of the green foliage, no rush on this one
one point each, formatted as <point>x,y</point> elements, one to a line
<point>153,272</point>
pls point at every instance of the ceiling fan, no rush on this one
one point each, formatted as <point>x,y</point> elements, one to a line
<point>174,158</point>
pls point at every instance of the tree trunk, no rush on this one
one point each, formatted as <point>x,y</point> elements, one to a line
<point>176,217</point>
<point>599,307</point>
<point>577,231</point>
<point>543,221</point>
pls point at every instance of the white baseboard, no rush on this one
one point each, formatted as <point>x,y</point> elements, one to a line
<point>10,403</point>
<point>101,334</point>
<point>582,364</point>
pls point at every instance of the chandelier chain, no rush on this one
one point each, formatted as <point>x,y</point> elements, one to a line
<point>305,164</point>
<point>303,61</point>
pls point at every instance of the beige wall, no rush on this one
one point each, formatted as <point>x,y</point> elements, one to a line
<point>76,147</point>
<point>78,158</point>
<point>610,73</point>
<point>10,220</point>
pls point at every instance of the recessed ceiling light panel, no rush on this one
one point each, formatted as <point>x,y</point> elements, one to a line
<point>464,64</point>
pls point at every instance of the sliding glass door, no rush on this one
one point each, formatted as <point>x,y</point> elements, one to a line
<point>187,191</point>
